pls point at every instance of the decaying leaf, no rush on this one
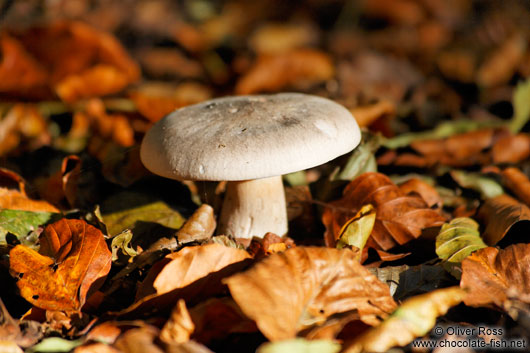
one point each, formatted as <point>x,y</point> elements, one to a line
<point>272,72</point>
<point>269,244</point>
<point>518,183</point>
<point>456,240</point>
<point>122,242</point>
<point>494,276</point>
<point>414,318</point>
<point>500,215</point>
<point>72,258</point>
<point>302,287</point>
<point>399,217</point>
<point>199,227</point>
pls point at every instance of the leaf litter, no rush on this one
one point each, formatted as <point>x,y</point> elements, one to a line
<point>100,255</point>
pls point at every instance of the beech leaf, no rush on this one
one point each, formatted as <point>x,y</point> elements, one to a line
<point>72,257</point>
<point>302,287</point>
<point>456,240</point>
<point>357,230</point>
<point>414,318</point>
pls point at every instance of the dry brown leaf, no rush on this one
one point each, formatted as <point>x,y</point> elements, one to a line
<point>273,72</point>
<point>404,12</point>
<point>278,37</point>
<point>494,276</point>
<point>201,268</point>
<point>459,65</point>
<point>414,318</point>
<point>425,190</point>
<point>304,286</point>
<point>162,63</point>
<point>154,100</point>
<point>179,327</point>
<point>13,194</point>
<point>367,114</point>
<point>217,318</point>
<point>399,217</point>
<point>501,65</point>
<point>139,340</point>
<point>500,214</point>
<point>95,348</point>
<point>114,127</point>
<point>73,258</point>
<point>269,244</point>
<point>199,227</point>
<point>518,183</point>
<point>511,149</point>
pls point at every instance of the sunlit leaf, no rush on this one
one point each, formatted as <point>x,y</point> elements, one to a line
<point>357,230</point>
<point>122,242</point>
<point>20,223</point>
<point>54,345</point>
<point>300,345</point>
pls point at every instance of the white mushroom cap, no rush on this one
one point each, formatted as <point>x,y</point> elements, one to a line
<point>249,137</point>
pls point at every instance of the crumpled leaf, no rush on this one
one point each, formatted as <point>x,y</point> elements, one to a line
<point>199,227</point>
<point>269,244</point>
<point>302,287</point>
<point>494,276</point>
<point>20,223</point>
<point>500,215</point>
<point>272,72</point>
<point>179,327</point>
<point>300,345</point>
<point>201,268</point>
<point>487,187</point>
<point>139,208</point>
<point>122,242</point>
<point>399,218</point>
<point>414,318</point>
<point>10,331</point>
<point>456,240</point>
<point>73,256</point>
<point>357,230</point>
<point>521,106</point>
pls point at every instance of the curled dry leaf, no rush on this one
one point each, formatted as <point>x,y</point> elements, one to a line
<point>500,214</point>
<point>400,218</point>
<point>72,258</point>
<point>273,72</point>
<point>199,227</point>
<point>269,244</point>
<point>414,318</point>
<point>179,327</point>
<point>424,189</point>
<point>201,269</point>
<point>494,276</point>
<point>302,287</point>
<point>518,183</point>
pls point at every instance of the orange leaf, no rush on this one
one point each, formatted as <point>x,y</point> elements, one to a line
<point>72,258</point>
<point>302,287</point>
<point>272,72</point>
<point>493,276</point>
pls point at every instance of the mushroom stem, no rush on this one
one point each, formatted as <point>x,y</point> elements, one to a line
<point>253,208</point>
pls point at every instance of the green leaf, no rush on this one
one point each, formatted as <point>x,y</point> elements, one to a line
<point>521,106</point>
<point>20,223</point>
<point>456,241</point>
<point>296,178</point>
<point>300,345</point>
<point>357,230</point>
<point>54,345</point>
<point>361,160</point>
<point>122,242</point>
<point>124,210</point>
<point>486,186</point>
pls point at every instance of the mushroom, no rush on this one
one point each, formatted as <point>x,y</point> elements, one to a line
<point>250,141</point>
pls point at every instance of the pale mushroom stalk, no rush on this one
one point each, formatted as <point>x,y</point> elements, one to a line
<point>253,208</point>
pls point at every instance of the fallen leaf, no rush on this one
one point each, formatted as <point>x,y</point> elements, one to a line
<point>424,189</point>
<point>500,215</point>
<point>518,183</point>
<point>95,348</point>
<point>367,114</point>
<point>269,244</point>
<point>399,218</point>
<point>55,345</point>
<point>494,276</point>
<point>272,72</point>
<point>202,269</point>
<point>73,256</point>
<point>414,318</point>
<point>21,223</point>
<point>199,227</point>
<point>10,331</point>
<point>302,287</point>
<point>356,231</point>
<point>139,340</point>
<point>486,186</point>
<point>300,345</point>
<point>521,106</point>
<point>179,327</point>
<point>456,241</point>
<point>122,242</point>
<point>511,149</point>
<point>278,37</point>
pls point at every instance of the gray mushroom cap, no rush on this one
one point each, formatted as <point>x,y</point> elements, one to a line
<point>249,137</point>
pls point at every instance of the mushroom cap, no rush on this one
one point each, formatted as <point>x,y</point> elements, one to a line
<point>249,137</point>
